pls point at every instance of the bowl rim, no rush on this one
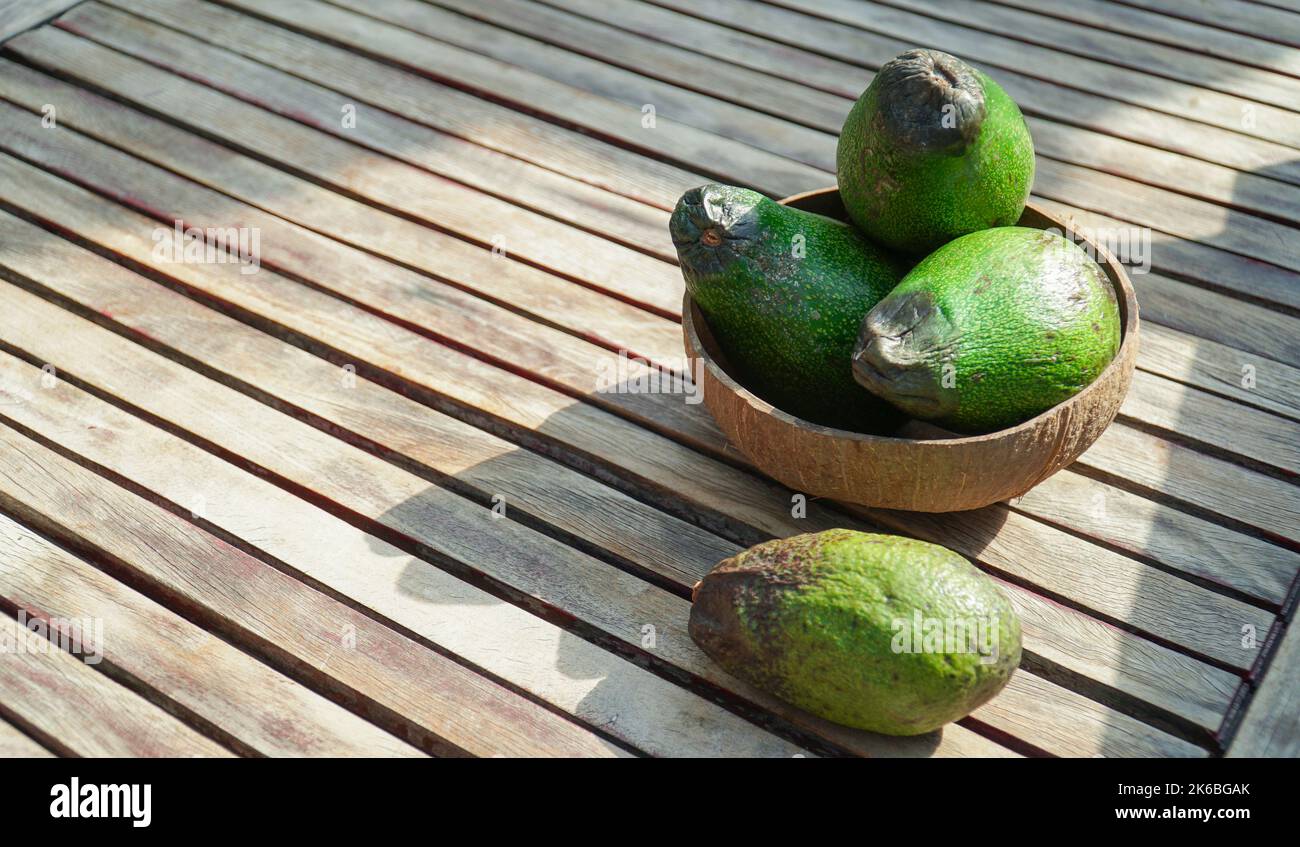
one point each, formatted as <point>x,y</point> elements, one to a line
<point>1115,273</point>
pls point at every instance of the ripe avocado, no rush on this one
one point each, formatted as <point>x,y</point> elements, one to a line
<point>990,330</point>
<point>784,291</point>
<point>933,149</point>
<point>876,632</point>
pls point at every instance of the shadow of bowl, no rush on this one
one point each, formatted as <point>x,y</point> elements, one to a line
<point>934,471</point>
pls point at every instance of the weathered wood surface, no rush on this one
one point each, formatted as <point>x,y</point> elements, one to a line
<point>1271,726</point>
<point>19,15</point>
<point>305,310</point>
<point>321,444</point>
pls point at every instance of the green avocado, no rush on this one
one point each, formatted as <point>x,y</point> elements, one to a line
<point>933,149</point>
<point>876,632</point>
<point>990,330</point>
<point>784,292</point>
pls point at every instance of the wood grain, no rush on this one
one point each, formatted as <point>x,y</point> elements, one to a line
<point>82,712</point>
<point>1271,726</point>
<point>1167,30</point>
<point>590,581</point>
<point>319,202</point>
<point>443,707</point>
<point>186,670</point>
<point>15,745</point>
<point>1079,146</point>
<point>1075,106</point>
<point>442,107</point>
<point>19,15</point>
<point>1122,577</point>
<point>654,462</point>
<point>1246,18</point>
<point>483,220</point>
<point>1137,88</point>
<point>1131,51</point>
<point>499,637</point>
<point>674,141</point>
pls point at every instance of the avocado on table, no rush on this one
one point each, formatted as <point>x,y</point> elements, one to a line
<point>878,632</point>
<point>784,292</point>
<point>932,150</point>
<point>990,330</point>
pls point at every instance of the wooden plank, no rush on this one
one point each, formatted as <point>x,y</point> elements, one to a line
<point>1202,312</point>
<point>1264,422</point>
<point>1134,51</point>
<point>19,15</point>
<point>15,745</point>
<point>75,710</point>
<point>1076,107</point>
<point>375,270</point>
<point>771,132</point>
<point>1168,30</point>
<point>1072,144</point>
<point>1271,726</point>
<point>1208,267</point>
<point>1225,111</point>
<point>1150,207</point>
<point>1144,528</point>
<point>276,239</point>
<point>625,700</point>
<point>672,140</point>
<point>537,37</point>
<point>186,670</point>
<point>1254,278</point>
<point>422,695</point>
<point>1153,207</point>
<point>1187,475</point>
<point>490,223</point>
<point>1054,743</point>
<point>433,517</point>
<point>1245,18</point>
<point>1222,370</point>
<point>608,215</point>
<point>1080,727</point>
<point>451,376</point>
<point>1086,649</point>
<point>419,98</point>
<point>1052,139</point>
<point>1171,213</point>
<point>519,287</point>
<point>1268,439</point>
<point>448,450</point>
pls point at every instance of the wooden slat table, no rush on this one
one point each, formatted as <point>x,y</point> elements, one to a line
<point>368,500</point>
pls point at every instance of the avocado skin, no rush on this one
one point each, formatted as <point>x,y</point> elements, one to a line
<point>813,620</point>
<point>786,324</point>
<point>911,194</point>
<point>1026,318</point>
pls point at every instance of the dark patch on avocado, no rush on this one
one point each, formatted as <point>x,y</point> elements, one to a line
<point>933,149</point>
<point>783,291</point>
<point>1042,329</point>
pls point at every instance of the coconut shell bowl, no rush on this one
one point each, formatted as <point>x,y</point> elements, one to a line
<point>934,471</point>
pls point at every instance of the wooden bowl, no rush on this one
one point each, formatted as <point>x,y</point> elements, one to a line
<point>938,472</point>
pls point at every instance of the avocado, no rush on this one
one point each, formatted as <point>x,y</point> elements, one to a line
<point>933,149</point>
<point>877,632</point>
<point>784,292</point>
<point>990,330</point>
